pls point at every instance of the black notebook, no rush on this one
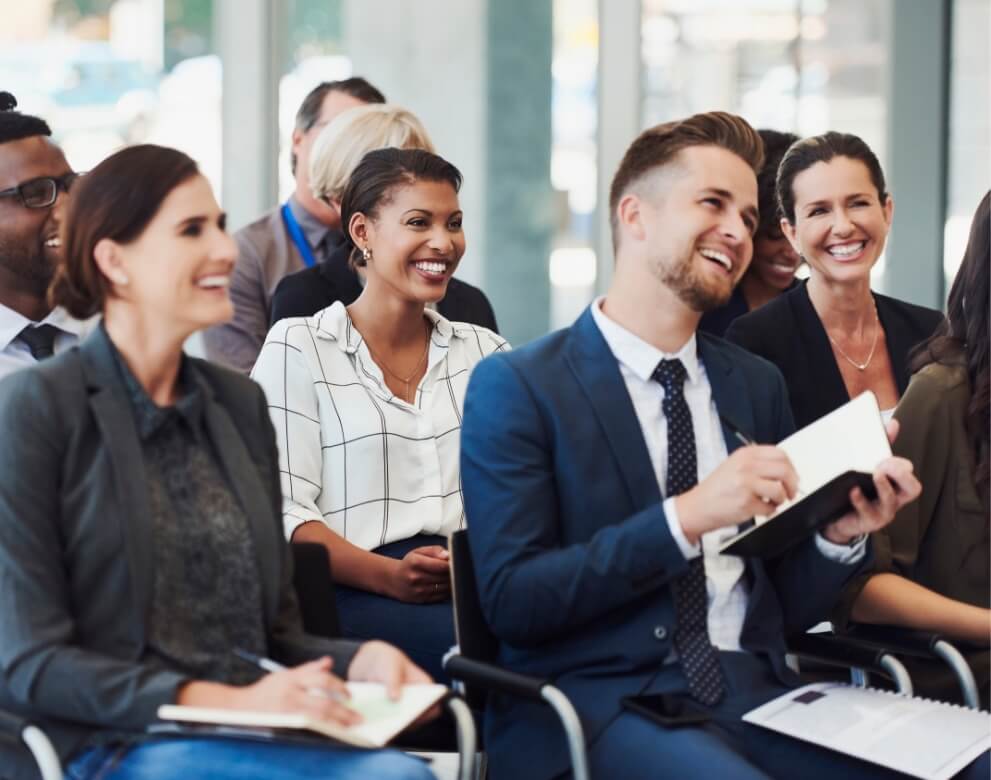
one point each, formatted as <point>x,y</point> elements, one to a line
<point>831,455</point>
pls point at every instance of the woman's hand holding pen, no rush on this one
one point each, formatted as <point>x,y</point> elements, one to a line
<point>751,481</point>
<point>309,688</point>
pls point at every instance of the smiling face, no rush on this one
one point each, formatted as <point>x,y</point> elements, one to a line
<point>841,223</point>
<point>178,270</point>
<point>29,246</point>
<point>415,238</point>
<point>775,261</point>
<point>697,215</point>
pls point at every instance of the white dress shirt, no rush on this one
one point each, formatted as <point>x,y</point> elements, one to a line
<point>15,354</point>
<point>726,586</point>
<point>372,467</point>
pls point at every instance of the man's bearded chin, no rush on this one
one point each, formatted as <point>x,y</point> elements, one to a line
<point>692,291</point>
<point>31,267</point>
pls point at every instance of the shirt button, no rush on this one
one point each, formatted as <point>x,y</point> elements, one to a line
<point>660,632</point>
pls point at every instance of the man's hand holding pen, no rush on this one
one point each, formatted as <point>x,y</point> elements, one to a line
<point>756,479</point>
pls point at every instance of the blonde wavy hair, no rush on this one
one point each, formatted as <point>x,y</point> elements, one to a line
<point>341,144</point>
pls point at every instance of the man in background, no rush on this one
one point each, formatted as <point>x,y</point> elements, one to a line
<point>297,234</point>
<point>34,176</point>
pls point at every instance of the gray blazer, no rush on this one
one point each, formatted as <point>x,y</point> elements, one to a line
<point>265,254</point>
<point>76,552</point>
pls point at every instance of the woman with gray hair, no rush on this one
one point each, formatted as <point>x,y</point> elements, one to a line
<point>334,156</point>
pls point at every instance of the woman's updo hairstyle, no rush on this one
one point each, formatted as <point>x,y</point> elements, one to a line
<point>378,175</point>
<point>803,154</point>
<point>115,200</point>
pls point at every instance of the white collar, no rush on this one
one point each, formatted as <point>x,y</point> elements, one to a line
<point>639,356</point>
<point>335,324</point>
<point>12,323</point>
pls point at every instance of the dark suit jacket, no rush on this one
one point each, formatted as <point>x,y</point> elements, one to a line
<point>573,554</point>
<point>304,293</point>
<point>76,557</point>
<point>788,332</point>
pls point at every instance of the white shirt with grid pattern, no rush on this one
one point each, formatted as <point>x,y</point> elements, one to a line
<point>372,467</point>
<point>726,587</point>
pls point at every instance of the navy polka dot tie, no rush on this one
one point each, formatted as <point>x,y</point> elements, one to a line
<point>699,659</point>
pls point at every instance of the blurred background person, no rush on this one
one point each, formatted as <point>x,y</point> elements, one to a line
<point>933,563</point>
<point>297,234</point>
<point>333,157</point>
<point>366,403</point>
<point>833,337</point>
<point>772,269</point>
<point>34,176</point>
<point>147,543</point>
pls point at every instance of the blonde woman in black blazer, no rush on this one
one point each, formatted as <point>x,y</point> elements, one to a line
<point>832,337</point>
<point>140,512</point>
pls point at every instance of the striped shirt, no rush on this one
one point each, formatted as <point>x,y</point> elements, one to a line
<point>372,467</point>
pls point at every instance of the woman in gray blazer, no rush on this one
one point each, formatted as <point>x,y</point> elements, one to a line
<point>140,512</point>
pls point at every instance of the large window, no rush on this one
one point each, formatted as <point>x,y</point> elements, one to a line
<point>969,126</point>
<point>105,73</point>
<point>803,66</point>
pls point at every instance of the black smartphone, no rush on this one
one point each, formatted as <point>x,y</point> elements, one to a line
<point>669,711</point>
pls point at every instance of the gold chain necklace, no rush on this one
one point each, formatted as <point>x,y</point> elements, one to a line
<point>870,356</point>
<point>404,380</point>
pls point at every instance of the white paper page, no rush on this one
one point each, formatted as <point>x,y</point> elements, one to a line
<point>925,739</point>
<point>383,717</point>
<point>851,437</point>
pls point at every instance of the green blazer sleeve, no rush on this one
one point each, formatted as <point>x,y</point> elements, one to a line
<point>924,438</point>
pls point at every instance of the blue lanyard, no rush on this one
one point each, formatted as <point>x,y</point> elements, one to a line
<point>296,234</point>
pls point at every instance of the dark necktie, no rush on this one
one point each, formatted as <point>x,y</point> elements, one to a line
<point>699,659</point>
<point>40,340</point>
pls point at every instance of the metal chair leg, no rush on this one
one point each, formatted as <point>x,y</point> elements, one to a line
<point>43,752</point>
<point>467,739</point>
<point>572,728</point>
<point>965,677</point>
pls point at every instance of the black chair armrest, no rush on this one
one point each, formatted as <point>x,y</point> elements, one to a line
<point>12,726</point>
<point>902,641</point>
<point>836,650</point>
<point>493,678</point>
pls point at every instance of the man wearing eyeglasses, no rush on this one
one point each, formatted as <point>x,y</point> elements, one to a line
<point>34,176</point>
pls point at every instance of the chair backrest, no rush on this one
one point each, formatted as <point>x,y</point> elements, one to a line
<point>472,633</point>
<point>315,589</point>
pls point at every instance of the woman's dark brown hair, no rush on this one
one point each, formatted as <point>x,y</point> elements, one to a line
<point>116,200</point>
<point>822,148</point>
<point>965,330</point>
<point>379,173</point>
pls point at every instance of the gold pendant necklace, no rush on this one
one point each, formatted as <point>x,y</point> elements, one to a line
<point>404,380</point>
<point>870,356</point>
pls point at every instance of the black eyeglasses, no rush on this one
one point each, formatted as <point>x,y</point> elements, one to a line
<point>41,193</point>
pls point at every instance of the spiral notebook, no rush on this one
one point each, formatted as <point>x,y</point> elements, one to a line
<point>922,738</point>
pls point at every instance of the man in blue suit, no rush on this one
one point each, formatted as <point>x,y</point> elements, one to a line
<point>600,477</point>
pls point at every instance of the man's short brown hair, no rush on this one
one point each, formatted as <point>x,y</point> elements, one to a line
<point>658,145</point>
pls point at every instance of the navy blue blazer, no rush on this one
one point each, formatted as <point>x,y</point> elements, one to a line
<point>571,547</point>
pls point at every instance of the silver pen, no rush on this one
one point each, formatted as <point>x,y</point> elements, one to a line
<point>270,666</point>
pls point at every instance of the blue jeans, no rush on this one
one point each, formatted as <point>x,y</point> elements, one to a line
<point>212,759</point>
<point>423,631</point>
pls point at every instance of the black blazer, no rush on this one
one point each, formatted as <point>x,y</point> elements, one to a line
<point>76,557</point>
<point>788,332</point>
<point>304,293</point>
